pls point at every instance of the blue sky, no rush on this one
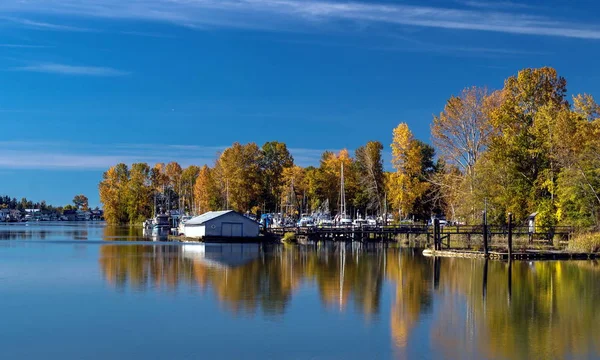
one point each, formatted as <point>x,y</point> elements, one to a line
<point>85,84</point>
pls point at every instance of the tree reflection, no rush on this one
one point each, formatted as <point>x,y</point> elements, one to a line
<point>342,274</point>
<point>525,310</point>
<point>412,275</point>
<point>543,310</point>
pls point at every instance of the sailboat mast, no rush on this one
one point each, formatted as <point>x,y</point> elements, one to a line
<point>343,194</point>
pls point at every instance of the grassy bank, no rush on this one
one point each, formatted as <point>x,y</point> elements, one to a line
<point>585,242</point>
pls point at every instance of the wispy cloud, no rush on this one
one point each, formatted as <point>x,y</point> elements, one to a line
<point>284,14</point>
<point>495,4</point>
<point>53,68</point>
<point>46,26</point>
<point>147,34</point>
<point>79,156</point>
<point>23,46</point>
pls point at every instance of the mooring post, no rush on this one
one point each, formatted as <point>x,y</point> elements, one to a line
<point>436,272</point>
<point>436,235</point>
<point>485,278</point>
<point>509,280</point>
<point>485,235</point>
<point>510,233</point>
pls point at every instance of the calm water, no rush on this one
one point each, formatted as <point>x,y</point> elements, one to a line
<point>91,292</point>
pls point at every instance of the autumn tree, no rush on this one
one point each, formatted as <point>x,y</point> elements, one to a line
<point>275,158</point>
<point>329,178</point>
<point>406,184</point>
<point>369,163</point>
<point>81,202</point>
<point>113,190</point>
<point>139,193</point>
<point>293,190</point>
<point>521,144</point>
<point>461,132</point>
<point>188,180</point>
<point>207,196</point>
<point>159,178</point>
<point>578,183</point>
<point>238,176</point>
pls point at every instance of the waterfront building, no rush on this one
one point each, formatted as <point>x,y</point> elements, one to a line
<point>227,224</point>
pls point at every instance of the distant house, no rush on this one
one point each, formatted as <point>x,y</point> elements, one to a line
<point>69,215</point>
<point>97,215</point>
<point>83,215</point>
<point>15,215</point>
<point>4,214</point>
<point>226,224</point>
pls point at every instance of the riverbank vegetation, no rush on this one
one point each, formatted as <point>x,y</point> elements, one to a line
<point>587,242</point>
<point>12,209</point>
<point>525,148</point>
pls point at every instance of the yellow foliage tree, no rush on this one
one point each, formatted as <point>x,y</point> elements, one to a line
<point>406,185</point>
<point>206,193</point>
<point>238,176</point>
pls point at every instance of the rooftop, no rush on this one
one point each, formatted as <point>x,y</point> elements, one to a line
<point>199,220</point>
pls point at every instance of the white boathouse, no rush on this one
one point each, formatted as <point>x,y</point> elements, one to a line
<point>228,224</point>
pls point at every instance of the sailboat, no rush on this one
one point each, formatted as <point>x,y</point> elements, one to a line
<point>343,219</point>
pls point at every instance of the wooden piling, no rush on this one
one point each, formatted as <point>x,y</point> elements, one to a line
<point>485,278</point>
<point>485,235</point>
<point>510,237</point>
<point>436,235</point>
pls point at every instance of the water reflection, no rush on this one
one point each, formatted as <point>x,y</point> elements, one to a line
<point>123,233</point>
<point>45,231</point>
<point>422,307</point>
<point>528,310</point>
<point>485,309</point>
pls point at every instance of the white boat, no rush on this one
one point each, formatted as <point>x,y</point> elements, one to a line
<point>306,221</point>
<point>359,223</point>
<point>181,226</point>
<point>159,226</point>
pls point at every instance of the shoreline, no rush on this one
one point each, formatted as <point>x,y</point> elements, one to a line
<point>521,255</point>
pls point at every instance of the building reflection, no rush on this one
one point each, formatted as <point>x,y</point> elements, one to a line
<point>472,309</point>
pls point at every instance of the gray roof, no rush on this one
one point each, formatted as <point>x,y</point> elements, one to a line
<point>199,220</point>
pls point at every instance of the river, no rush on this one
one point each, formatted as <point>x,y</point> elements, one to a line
<point>88,291</point>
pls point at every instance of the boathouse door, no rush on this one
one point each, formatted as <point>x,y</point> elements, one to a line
<point>231,229</point>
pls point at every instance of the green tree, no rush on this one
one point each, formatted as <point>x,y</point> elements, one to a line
<point>81,202</point>
<point>521,143</point>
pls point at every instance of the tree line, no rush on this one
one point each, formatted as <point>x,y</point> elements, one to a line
<point>80,202</point>
<point>522,149</point>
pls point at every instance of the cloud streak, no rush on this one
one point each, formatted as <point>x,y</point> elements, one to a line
<point>39,25</point>
<point>63,69</point>
<point>285,14</point>
<point>99,157</point>
<point>23,46</point>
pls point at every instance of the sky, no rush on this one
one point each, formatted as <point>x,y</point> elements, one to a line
<point>85,84</point>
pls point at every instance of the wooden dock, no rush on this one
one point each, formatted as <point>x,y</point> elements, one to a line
<point>432,234</point>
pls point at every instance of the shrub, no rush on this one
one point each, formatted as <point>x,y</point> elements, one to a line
<point>585,242</point>
<point>289,237</point>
